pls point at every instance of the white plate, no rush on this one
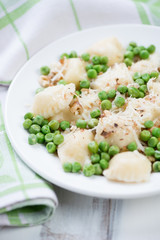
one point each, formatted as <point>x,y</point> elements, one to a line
<point>21,93</point>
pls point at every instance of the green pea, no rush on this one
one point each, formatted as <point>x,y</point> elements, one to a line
<point>76,167</point>
<point>45,122</point>
<point>62,81</point>
<point>143,88</point>
<point>80,123</point>
<point>106,105</point>
<point>27,123</point>
<point>34,129</point>
<point>157,155</point>
<point>105,156</point>
<point>49,137</point>
<point>152,142</point>
<point>88,170</point>
<point>45,129</point>
<point>144,54</point>
<point>92,73</point>
<point>129,54</point>
<point>38,90</point>
<point>133,44</point>
<point>28,115</point>
<point>85,57</point>
<point>56,132</point>
<point>45,70</point>
<point>148,124</point>
<point>84,84</point>
<point>96,60</point>
<point>132,146</point>
<point>154,74</point>
<point>156,132</point>
<point>51,147</point>
<point>98,68</point>
<point>151,49</point>
<point>104,146</point>
<point>129,48</point>
<point>111,93</point>
<point>67,167</point>
<point>64,55</point>
<point>93,147</point>
<point>58,139</point>
<point>95,158</point>
<point>142,48</point>
<point>38,120</point>
<point>119,101</point>
<point>102,95</point>
<point>40,137</point>
<point>156,166</point>
<point>104,163</point>
<point>136,76</point>
<point>136,51</point>
<point>145,135</point>
<point>149,151</point>
<point>73,54</point>
<point>104,60</point>
<point>89,66</point>
<point>104,68</point>
<point>128,62</point>
<point>140,81</point>
<point>54,125</point>
<point>32,139</point>
<point>158,146</point>
<point>145,77</point>
<point>141,94</point>
<point>64,125</point>
<point>133,92</point>
<point>92,123</point>
<point>95,113</point>
<point>98,169</point>
<point>113,150</point>
<point>122,89</point>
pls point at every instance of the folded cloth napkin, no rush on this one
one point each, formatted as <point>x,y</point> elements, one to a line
<point>25,199</point>
<point>25,27</point>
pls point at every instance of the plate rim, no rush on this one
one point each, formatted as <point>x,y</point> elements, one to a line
<point>43,175</point>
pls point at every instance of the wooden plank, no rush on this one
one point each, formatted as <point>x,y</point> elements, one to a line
<point>81,217</point>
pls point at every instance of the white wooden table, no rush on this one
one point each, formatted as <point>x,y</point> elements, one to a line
<point>81,217</point>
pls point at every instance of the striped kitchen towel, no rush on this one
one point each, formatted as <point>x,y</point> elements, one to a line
<point>28,25</point>
<point>25,199</point>
<point>25,27</point>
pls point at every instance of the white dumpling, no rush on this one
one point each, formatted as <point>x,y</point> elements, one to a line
<point>87,102</point>
<point>143,108</point>
<point>74,71</point>
<point>75,146</point>
<point>53,100</point>
<point>146,66</point>
<point>115,76</point>
<point>109,47</point>
<point>117,129</point>
<point>129,167</point>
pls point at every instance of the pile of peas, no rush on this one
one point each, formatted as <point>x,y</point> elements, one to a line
<point>107,98</point>
<point>95,65</point>
<point>143,79</point>
<point>44,132</point>
<point>151,137</point>
<point>137,51</point>
<point>100,156</point>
